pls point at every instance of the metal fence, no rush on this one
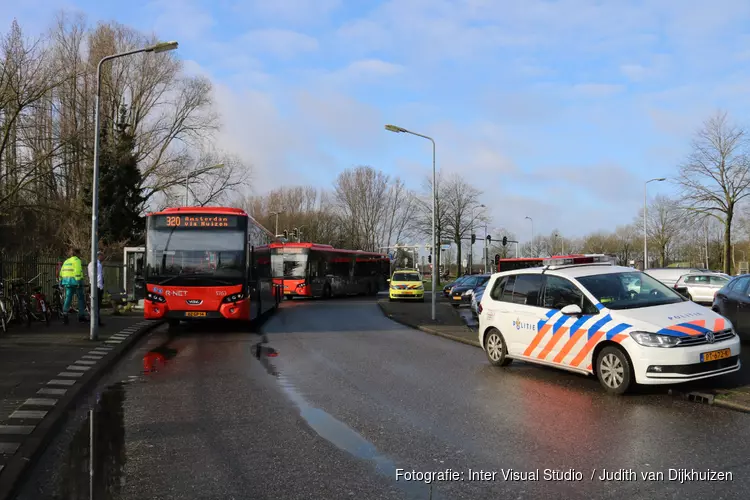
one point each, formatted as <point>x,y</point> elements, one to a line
<point>49,268</point>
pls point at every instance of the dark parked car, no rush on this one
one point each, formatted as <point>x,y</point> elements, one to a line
<point>733,302</point>
<point>447,288</point>
<point>461,293</point>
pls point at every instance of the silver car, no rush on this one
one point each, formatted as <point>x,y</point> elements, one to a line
<point>702,287</point>
<point>476,298</point>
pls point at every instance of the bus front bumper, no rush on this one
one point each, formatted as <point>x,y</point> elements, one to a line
<point>239,310</point>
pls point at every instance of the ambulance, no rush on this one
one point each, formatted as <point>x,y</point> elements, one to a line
<point>586,315</point>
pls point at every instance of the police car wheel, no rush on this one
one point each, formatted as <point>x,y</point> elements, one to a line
<point>495,348</point>
<point>614,370</point>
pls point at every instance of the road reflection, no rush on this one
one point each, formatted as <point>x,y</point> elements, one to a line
<point>78,479</point>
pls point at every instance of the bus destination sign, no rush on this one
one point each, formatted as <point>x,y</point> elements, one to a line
<point>206,221</point>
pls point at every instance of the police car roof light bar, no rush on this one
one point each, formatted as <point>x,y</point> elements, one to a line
<point>578,260</point>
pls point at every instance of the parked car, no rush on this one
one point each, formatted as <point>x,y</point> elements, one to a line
<point>733,302</point>
<point>476,298</point>
<point>702,287</point>
<point>461,293</point>
<point>670,275</point>
<point>447,288</point>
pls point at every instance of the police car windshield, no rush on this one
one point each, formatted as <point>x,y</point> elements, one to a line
<point>629,290</point>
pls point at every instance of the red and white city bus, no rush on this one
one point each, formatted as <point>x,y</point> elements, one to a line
<point>202,263</point>
<point>314,270</point>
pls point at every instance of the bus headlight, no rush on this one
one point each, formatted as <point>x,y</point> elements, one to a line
<point>234,297</point>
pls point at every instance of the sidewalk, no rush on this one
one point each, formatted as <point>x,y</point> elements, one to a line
<point>42,369</point>
<point>418,315</point>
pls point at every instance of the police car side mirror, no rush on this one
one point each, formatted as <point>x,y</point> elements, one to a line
<point>388,280</point>
<point>571,310</point>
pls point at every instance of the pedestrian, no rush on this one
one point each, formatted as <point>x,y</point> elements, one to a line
<point>71,277</point>
<point>99,283</point>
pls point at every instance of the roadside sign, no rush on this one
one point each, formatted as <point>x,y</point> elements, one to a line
<point>445,247</point>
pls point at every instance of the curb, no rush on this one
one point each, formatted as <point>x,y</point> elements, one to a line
<point>36,442</point>
<point>711,400</point>
<point>425,329</point>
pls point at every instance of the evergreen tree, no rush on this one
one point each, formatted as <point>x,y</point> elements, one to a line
<point>120,193</point>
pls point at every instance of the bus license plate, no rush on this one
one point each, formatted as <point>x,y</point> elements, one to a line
<point>194,314</point>
<point>714,355</point>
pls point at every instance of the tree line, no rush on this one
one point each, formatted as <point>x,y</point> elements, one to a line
<point>157,126</point>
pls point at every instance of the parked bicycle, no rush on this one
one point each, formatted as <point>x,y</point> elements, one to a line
<point>38,309</point>
<point>20,309</point>
<point>3,311</point>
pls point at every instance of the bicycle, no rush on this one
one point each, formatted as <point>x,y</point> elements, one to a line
<point>3,312</point>
<point>58,300</point>
<point>40,311</point>
<point>20,309</point>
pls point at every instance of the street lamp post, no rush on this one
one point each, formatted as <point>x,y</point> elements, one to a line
<point>196,173</point>
<point>645,227</point>
<point>277,221</point>
<point>532,235</point>
<point>436,264</point>
<point>159,47</point>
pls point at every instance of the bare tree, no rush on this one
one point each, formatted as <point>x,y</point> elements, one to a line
<point>361,195</point>
<point>716,175</point>
<point>461,201</point>
<point>628,242</point>
<point>423,219</point>
<point>663,225</point>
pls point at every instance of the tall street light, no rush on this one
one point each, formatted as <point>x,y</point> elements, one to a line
<point>196,173</point>
<point>277,221</point>
<point>645,227</point>
<point>434,247</point>
<point>532,234</point>
<point>159,47</point>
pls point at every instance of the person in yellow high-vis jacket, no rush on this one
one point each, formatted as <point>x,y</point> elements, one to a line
<point>71,277</point>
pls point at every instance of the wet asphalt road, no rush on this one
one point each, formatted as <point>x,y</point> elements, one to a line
<point>350,398</point>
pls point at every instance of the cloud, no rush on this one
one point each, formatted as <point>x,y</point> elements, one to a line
<point>279,42</point>
<point>294,12</point>
<point>180,19</point>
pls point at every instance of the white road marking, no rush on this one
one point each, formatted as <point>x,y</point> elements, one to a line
<point>61,382</point>
<point>41,401</point>
<point>52,392</point>
<point>69,374</point>
<point>78,368</point>
<point>38,414</point>
<point>16,429</point>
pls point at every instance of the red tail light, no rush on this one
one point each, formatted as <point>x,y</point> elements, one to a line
<point>479,308</point>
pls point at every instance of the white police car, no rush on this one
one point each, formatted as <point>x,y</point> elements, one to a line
<point>583,314</point>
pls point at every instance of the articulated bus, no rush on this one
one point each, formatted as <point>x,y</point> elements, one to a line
<point>313,270</point>
<point>202,263</point>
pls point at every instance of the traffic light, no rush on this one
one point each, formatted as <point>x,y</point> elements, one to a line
<point>295,233</point>
<point>286,234</point>
<point>505,240</point>
<point>489,239</point>
<point>497,259</point>
<point>429,259</point>
<point>473,238</point>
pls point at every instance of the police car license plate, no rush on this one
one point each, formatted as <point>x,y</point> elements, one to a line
<point>199,314</point>
<point>714,355</point>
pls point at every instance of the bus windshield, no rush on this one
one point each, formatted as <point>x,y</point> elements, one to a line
<point>289,263</point>
<point>197,257</point>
